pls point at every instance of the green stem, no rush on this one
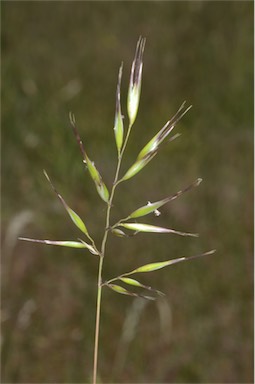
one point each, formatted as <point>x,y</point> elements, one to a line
<point>102,254</point>
<point>99,295</point>
<point>126,140</point>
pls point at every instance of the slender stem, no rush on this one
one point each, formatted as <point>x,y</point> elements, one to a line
<point>116,278</point>
<point>102,254</point>
<point>126,140</point>
<point>99,295</point>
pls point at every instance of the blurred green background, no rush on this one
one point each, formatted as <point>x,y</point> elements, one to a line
<point>64,56</point>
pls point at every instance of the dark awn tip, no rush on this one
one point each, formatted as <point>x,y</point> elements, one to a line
<point>201,255</point>
<point>177,117</point>
<point>170,125</point>
<point>55,190</point>
<point>138,61</point>
<point>118,108</point>
<point>72,118</point>
<point>77,136</point>
<point>141,47</point>
<point>120,72</point>
<point>174,137</point>
<point>51,184</point>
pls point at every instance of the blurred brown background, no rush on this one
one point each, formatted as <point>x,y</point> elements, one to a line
<point>64,56</point>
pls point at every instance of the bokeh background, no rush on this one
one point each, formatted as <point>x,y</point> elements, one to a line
<point>64,56</point>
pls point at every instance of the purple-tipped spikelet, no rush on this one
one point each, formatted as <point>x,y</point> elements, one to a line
<point>135,81</point>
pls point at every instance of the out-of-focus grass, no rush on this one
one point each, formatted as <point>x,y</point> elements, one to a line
<point>62,56</point>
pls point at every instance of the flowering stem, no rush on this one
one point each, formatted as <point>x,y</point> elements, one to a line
<point>102,255</point>
<point>99,295</point>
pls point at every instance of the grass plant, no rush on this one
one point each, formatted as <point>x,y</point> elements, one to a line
<point>127,226</point>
